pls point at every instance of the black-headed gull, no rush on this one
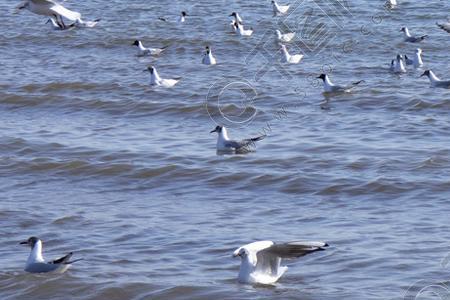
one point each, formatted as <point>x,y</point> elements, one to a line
<point>279,9</point>
<point>435,81</point>
<point>224,143</point>
<point>37,264</point>
<point>261,261</point>
<point>142,51</point>
<point>330,87</point>
<point>416,61</point>
<point>412,39</point>
<point>208,58</point>
<point>285,37</point>
<point>51,9</point>
<point>288,58</point>
<point>156,80</point>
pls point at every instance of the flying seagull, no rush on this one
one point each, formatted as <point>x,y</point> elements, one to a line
<point>50,8</point>
<point>261,261</point>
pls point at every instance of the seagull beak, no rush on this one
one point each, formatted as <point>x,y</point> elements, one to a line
<point>215,130</point>
<point>23,243</point>
<point>422,75</point>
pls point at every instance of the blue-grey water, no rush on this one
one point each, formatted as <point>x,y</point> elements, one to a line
<point>94,160</point>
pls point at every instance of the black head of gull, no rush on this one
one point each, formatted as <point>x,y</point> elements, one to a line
<point>136,43</point>
<point>151,69</point>
<point>233,14</point>
<point>184,14</point>
<point>208,50</point>
<point>426,73</point>
<point>218,129</point>
<point>30,242</point>
<point>322,76</point>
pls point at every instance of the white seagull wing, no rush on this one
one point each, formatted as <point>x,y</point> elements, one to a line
<point>64,12</point>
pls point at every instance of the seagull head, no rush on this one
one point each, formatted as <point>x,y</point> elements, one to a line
<point>241,252</point>
<point>426,73</point>
<point>322,76</point>
<point>403,29</point>
<point>399,57</point>
<point>218,129</point>
<point>135,43</point>
<point>208,50</point>
<point>419,51</point>
<point>151,69</point>
<point>31,241</point>
<point>233,14</point>
<point>184,14</point>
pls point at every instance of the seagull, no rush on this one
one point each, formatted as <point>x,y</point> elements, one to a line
<point>181,18</point>
<point>208,58</point>
<point>158,81</point>
<point>261,261</point>
<point>444,26</point>
<point>291,59</point>
<point>57,26</point>
<point>240,29</point>
<point>286,37</point>
<point>225,144</point>
<point>435,81</point>
<point>412,39</point>
<point>279,9</point>
<point>417,59</point>
<point>37,264</point>
<point>142,51</point>
<point>329,87</point>
<point>86,24</point>
<point>399,66</point>
<point>51,9</point>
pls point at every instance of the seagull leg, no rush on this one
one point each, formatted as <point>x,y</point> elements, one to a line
<point>57,22</point>
<point>62,22</point>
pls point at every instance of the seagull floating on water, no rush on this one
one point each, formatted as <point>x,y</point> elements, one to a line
<point>37,264</point>
<point>142,51</point>
<point>444,26</point>
<point>241,30</point>
<point>412,39</point>
<point>435,81</point>
<point>225,144</point>
<point>156,80</point>
<point>51,9</point>
<point>286,37</point>
<point>416,61</point>
<point>329,87</point>
<point>181,18</point>
<point>279,9</point>
<point>398,66</point>
<point>261,261</point>
<point>291,59</point>
<point>208,58</point>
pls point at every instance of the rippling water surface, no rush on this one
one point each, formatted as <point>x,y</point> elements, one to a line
<point>94,160</point>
